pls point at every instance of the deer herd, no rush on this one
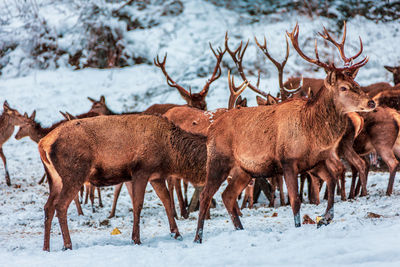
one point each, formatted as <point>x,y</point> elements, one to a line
<point>306,132</point>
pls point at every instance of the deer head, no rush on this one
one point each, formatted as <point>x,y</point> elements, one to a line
<point>99,106</point>
<point>13,115</point>
<point>195,100</point>
<point>27,126</point>
<point>339,82</point>
<point>396,73</point>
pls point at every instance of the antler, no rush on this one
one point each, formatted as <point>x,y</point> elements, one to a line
<point>340,46</point>
<point>279,66</point>
<point>217,70</point>
<point>348,61</point>
<point>170,82</point>
<point>235,91</point>
<point>237,57</point>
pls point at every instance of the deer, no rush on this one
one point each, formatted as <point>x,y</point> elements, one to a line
<point>287,138</point>
<point>9,118</point>
<point>135,148</point>
<point>396,73</point>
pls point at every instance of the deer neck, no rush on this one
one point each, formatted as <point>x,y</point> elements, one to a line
<point>38,132</point>
<point>324,118</point>
<point>189,155</point>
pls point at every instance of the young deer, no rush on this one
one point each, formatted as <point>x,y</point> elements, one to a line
<point>396,73</point>
<point>287,138</point>
<point>8,120</point>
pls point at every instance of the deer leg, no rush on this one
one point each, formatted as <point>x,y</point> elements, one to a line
<point>162,192</point>
<point>314,189</point>
<point>267,189</point>
<point>170,182</point>
<point>302,181</point>
<point>290,175</point>
<point>354,173</point>
<point>91,195</point>
<point>390,160</point>
<point>42,179</point>
<point>256,190</point>
<point>357,165</point>
<point>240,179</point>
<point>195,198</point>
<point>139,183</point>
<point>78,205</point>
<point>65,197</point>
<point>182,206</point>
<point>8,181</point>
<point>217,172</point>
<point>99,195</point>
<point>185,190</point>
<point>49,210</point>
<point>324,174</point>
<point>245,198</point>
<point>117,191</point>
<point>87,189</point>
<point>281,193</point>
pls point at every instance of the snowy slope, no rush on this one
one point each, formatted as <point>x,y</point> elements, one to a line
<point>352,238</point>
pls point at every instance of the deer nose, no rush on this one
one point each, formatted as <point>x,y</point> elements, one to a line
<point>371,104</point>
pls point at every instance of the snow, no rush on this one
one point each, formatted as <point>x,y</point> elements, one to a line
<point>351,239</point>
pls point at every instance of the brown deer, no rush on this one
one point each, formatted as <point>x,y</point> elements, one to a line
<point>288,138</point>
<point>108,150</point>
<point>396,73</point>
<point>194,100</point>
<point>8,120</point>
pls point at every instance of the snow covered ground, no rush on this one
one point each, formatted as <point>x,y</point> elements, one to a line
<point>351,239</point>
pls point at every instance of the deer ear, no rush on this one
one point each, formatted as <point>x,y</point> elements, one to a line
<point>261,101</point>
<point>330,78</point>
<point>354,74</point>
<point>33,115</point>
<point>391,69</point>
<point>5,105</point>
<point>71,117</point>
<point>102,99</point>
<point>244,103</point>
<point>64,115</point>
<point>26,115</point>
<point>91,100</point>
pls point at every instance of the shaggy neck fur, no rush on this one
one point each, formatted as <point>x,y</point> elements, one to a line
<point>189,155</point>
<point>323,119</point>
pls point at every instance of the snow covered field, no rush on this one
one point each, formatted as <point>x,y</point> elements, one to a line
<point>351,239</point>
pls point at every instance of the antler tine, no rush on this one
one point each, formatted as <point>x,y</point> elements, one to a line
<point>279,66</point>
<point>170,82</point>
<point>340,47</point>
<point>235,91</point>
<point>294,35</point>
<point>217,70</point>
<point>237,57</point>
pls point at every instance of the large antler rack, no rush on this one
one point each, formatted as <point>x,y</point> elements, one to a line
<point>348,62</point>
<point>279,66</point>
<point>216,73</point>
<point>237,57</point>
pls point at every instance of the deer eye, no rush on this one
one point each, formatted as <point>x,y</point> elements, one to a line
<point>343,89</point>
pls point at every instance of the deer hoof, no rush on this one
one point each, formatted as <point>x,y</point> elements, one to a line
<point>67,247</point>
<point>321,221</point>
<point>177,236</point>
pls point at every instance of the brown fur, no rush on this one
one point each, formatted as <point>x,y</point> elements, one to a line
<point>396,73</point>
<point>108,150</point>
<point>8,120</point>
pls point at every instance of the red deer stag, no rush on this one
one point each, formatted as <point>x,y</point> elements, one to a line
<point>8,120</point>
<point>287,138</point>
<point>134,148</point>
